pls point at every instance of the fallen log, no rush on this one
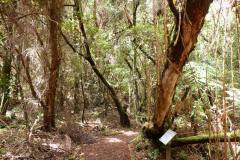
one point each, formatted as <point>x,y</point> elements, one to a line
<point>206,138</point>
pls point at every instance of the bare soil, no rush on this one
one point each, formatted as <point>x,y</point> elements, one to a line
<point>111,147</point>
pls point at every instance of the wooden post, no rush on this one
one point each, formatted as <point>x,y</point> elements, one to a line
<point>168,152</point>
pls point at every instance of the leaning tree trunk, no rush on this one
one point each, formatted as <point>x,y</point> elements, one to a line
<point>124,120</point>
<point>54,19</point>
<point>189,22</point>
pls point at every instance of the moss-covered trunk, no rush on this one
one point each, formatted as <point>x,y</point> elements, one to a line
<point>205,138</point>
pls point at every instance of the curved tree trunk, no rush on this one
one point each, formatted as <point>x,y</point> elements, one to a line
<point>189,22</point>
<point>124,120</point>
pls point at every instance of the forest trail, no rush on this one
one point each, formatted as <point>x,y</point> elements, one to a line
<point>112,147</point>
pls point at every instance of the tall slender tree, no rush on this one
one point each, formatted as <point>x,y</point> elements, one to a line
<point>54,14</point>
<point>124,120</point>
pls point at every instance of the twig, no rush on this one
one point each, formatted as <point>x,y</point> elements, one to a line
<point>31,130</point>
<point>178,29</point>
<point>2,121</point>
<point>173,9</point>
<point>70,44</point>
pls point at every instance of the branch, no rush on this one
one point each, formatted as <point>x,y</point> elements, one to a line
<point>26,15</point>
<point>69,5</point>
<point>3,122</point>
<point>128,16</point>
<point>131,68</point>
<point>140,47</point>
<point>208,41</point>
<point>38,36</point>
<point>124,120</point>
<point>173,8</point>
<point>131,24</point>
<point>135,7</point>
<point>29,79</point>
<point>128,64</point>
<point>205,138</point>
<point>70,44</point>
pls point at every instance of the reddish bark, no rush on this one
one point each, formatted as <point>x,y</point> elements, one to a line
<point>54,19</point>
<point>191,22</point>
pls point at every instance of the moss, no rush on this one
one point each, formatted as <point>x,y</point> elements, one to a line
<point>2,150</point>
<point>205,137</point>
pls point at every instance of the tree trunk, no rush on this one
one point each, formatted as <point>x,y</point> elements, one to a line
<point>124,120</point>
<point>60,93</point>
<point>95,3</point>
<point>237,12</point>
<point>54,19</point>
<point>7,57</point>
<point>85,100</point>
<point>5,81</point>
<point>205,138</point>
<point>189,22</point>
<point>76,95</point>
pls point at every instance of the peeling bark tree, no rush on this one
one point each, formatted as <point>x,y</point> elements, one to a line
<point>189,23</point>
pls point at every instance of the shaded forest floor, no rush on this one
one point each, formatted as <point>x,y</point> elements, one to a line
<point>98,139</point>
<point>111,147</point>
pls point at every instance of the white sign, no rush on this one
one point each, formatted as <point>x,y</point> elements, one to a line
<point>167,137</point>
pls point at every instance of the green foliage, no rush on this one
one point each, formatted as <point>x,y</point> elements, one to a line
<point>91,29</point>
<point>138,147</point>
<point>69,25</point>
<point>6,1</point>
<point>143,31</point>
<point>2,150</point>
<point>102,42</point>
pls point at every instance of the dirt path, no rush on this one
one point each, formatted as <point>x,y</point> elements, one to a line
<point>110,147</point>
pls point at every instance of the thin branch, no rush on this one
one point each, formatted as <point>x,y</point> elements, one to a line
<point>135,7</point>
<point>69,5</point>
<point>208,41</point>
<point>128,16</point>
<point>70,44</point>
<point>133,23</point>
<point>173,8</point>
<point>26,15</point>
<point>29,79</point>
<point>131,68</point>
<point>140,47</point>
<point>3,122</point>
<point>38,36</point>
